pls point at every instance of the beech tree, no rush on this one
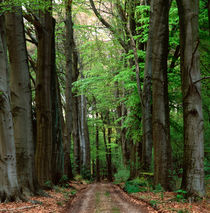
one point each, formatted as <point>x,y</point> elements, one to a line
<point>45,66</point>
<point>9,189</point>
<point>68,91</point>
<point>193,168</point>
<point>160,110</point>
<point>21,101</point>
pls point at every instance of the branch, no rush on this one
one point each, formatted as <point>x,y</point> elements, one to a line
<point>32,39</point>
<point>175,58</point>
<point>207,77</point>
<point>108,26</point>
<point>133,44</point>
<point>33,20</point>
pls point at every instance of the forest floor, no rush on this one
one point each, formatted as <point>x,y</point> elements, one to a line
<point>104,198</point>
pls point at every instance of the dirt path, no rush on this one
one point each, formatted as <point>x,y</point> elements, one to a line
<point>103,198</point>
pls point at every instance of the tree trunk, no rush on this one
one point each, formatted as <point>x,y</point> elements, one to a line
<point>75,117</point>
<point>21,102</point>
<point>147,104</point>
<point>133,147</point>
<point>109,154</point>
<point>161,136</point>
<point>97,152</point>
<point>45,66</point>
<point>193,168</point>
<point>9,190</point>
<point>85,143</point>
<point>57,148</point>
<point>208,5</point>
<point>68,91</point>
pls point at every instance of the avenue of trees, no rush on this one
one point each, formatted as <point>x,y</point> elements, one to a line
<point>104,90</point>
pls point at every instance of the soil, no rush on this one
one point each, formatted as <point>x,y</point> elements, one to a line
<point>104,198</point>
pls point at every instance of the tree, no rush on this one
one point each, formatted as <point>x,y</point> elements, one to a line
<point>68,92</point>
<point>45,66</point>
<point>21,101</point>
<point>9,189</point>
<point>160,111</point>
<point>193,168</point>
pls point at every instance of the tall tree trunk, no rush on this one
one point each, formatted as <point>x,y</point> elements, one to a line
<point>160,113</point>
<point>45,66</point>
<point>109,153</point>
<point>133,147</point>
<point>208,5</point>
<point>21,102</point>
<point>97,152</point>
<point>9,190</point>
<point>68,91</point>
<point>193,168</point>
<point>147,104</point>
<point>85,143</point>
<point>75,117</point>
<point>87,138</point>
<point>57,148</point>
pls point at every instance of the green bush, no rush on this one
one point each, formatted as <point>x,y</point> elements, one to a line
<point>64,181</point>
<point>122,175</point>
<point>158,188</point>
<point>180,197</point>
<point>136,185</point>
<point>78,178</point>
<point>131,187</point>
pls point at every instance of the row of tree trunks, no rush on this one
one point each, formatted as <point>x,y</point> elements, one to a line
<point>9,189</point>
<point>21,102</point>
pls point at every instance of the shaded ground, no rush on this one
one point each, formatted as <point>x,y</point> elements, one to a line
<point>104,198</point>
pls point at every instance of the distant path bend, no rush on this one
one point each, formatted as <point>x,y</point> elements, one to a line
<point>103,198</point>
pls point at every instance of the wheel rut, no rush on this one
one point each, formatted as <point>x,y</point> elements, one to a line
<point>103,198</point>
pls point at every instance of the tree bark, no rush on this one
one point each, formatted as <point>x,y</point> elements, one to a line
<point>209,14</point>
<point>97,152</point>
<point>57,147</point>
<point>21,102</point>
<point>147,103</point>
<point>68,91</point>
<point>75,115</point>
<point>193,168</point>
<point>160,113</point>
<point>45,66</point>
<point>9,190</point>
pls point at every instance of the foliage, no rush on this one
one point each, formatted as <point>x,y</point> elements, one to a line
<point>122,175</point>
<point>64,181</point>
<point>181,194</point>
<point>78,178</point>
<point>136,185</point>
<point>48,184</point>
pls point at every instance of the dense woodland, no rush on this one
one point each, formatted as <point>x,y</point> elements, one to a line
<point>106,90</point>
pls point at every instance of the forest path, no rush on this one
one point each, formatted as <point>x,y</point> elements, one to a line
<point>103,198</point>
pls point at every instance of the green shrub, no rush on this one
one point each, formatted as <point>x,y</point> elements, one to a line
<point>180,197</point>
<point>48,184</point>
<point>158,188</point>
<point>78,178</point>
<point>64,181</point>
<point>131,187</point>
<point>122,175</point>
